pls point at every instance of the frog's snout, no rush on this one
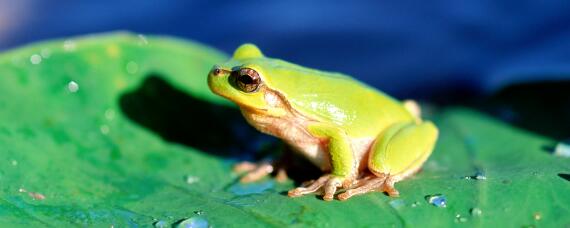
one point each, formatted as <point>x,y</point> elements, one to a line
<point>216,71</point>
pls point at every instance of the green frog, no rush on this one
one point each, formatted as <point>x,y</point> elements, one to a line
<point>362,139</point>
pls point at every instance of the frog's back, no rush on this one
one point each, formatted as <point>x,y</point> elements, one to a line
<point>359,109</point>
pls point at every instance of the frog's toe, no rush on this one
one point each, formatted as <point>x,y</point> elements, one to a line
<point>388,187</point>
<point>245,166</point>
<point>381,183</point>
<point>310,187</point>
<point>331,186</point>
<point>259,172</point>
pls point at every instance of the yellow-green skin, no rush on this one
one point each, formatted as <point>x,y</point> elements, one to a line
<point>337,109</point>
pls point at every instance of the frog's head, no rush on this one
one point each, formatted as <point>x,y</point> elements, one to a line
<point>242,80</point>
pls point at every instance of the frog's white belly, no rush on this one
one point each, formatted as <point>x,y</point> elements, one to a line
<point>294,132</point>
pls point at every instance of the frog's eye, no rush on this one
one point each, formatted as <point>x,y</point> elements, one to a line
<point>248,80</point>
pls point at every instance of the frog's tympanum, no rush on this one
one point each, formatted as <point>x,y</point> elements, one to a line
<point>362,139</point>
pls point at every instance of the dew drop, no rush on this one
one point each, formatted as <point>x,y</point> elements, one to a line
<point>562,149</point>
<point>199,212</point>
<point>132,67</point>
<point>142,39</point>
<point>45,53</point>
<point>537,216</point>
<point>416,204</point>
<point>397,203</point>
<point>36,59</point>
<point>69,45</point>
<point>14,162</point>
<point>72,86</point>
<point>437,200</point>
<point>104,129</point>
<point>475,211</point>
<point>194,222</point>
<point>459,218</point>
<point>160,224</point>
<point>110,114</point>
<point>191,179</point>
<point>479,175</point>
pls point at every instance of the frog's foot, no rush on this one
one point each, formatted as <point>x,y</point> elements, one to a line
<point>254,172</point>
<point>371,184</point>
<point>327,183</point>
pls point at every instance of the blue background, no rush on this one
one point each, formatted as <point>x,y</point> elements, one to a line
<point>407,48</point>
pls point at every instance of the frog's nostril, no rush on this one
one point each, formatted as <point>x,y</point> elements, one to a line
<point>217,71</point>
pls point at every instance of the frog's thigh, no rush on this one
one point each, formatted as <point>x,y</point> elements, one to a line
<point>402,149</point>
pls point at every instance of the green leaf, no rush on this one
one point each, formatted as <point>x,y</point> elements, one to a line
<point>122,130</point>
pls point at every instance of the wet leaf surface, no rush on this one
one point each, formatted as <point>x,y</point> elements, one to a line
<point>121,130</point>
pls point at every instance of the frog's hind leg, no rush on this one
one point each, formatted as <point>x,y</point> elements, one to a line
<point>397,153</point>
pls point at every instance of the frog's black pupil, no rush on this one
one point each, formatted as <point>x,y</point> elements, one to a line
<point>245,79</point>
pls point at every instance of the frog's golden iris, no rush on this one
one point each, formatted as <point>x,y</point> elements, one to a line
<point>247,80</point>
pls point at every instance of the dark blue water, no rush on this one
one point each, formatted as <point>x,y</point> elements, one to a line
<point>407,48</point>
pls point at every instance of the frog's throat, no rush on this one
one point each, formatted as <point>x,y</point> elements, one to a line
<point>275,100</point>
<point>289,125</point>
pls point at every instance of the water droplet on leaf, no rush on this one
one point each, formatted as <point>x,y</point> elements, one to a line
<point>397,203</point>
<point>36,59</point>
<point>110,114</point>
<point>437,200</point>
<point>199,212</point>
<point>562,149</point>
<point>72,86</point>
<point>194,222</point>
<point>191,179</point>
<point>142,39</point>
<point>479,175</point>
<point>69,45</point>
<point>104,129</point>
<point>475,211</point>
<point>537,216</point>
<point>160,224</point>
<point>45,53</point>
<point>459,218</point>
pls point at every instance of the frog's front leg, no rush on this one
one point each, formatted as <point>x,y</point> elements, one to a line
<point>397,153</point>
<point>343,165</point>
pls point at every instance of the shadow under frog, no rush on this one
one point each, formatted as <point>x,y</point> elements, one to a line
<point>180,118</point>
